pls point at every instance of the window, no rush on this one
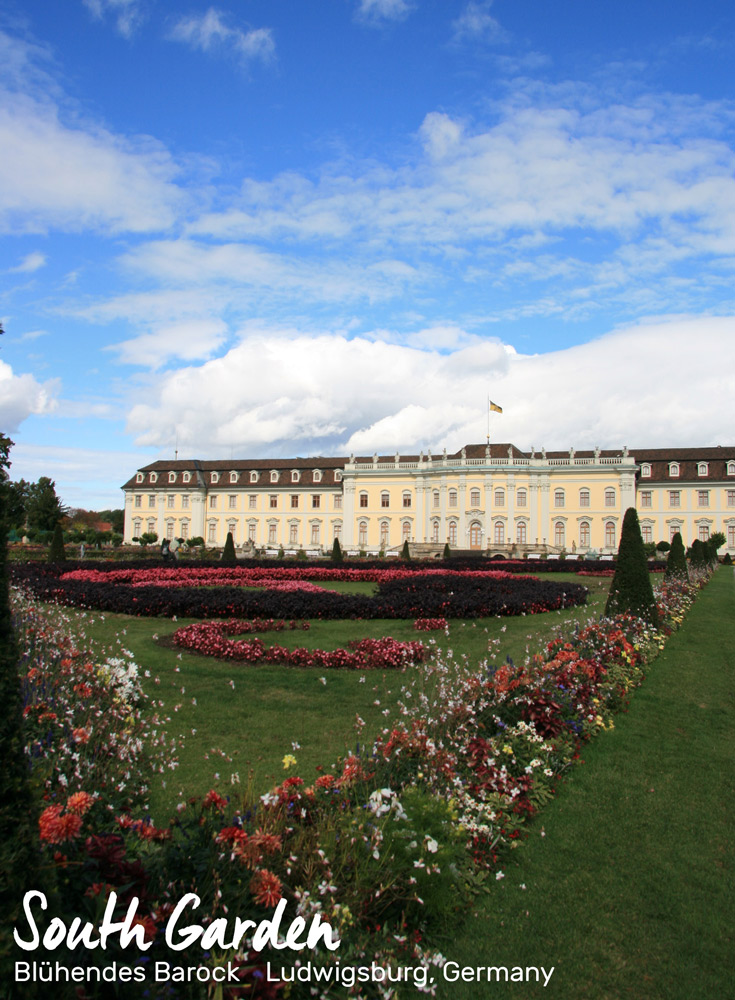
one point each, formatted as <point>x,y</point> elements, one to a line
<point>153,477</point>
<point>185,501</point>
<point>251,531</point>
<point>702,469</point>
<point>673,469</point>
<point>294,501</point>
<point>337,530</point>
<point>138,500</point>
<point>234,477</point>
<point>338,502</point>
<point>703,532</point>
<point>215,477</point>
<point>184,529</point>
<point>610,535</point>
<point>703,498</point>
<point>384,528</point>
<point>475,535</point>
<point>253,476</point>
<point>363,499</point>
<point>499,533</point>
<point>338,477</point>
<point>559,534</point>
<point>674,498</point>
<point>385,499</point>
<point>521,498</point>
<point>452,498</point>
<point>500,498</point>
<point>406,499</point>
<point>315,534</point>
<point>274,476</point>
<point>435,531</point>
<point>646,471</point>
<point>139,478</point>
<point>675,529</point>
<point>170,500</point>
<point>212,531</point>
<point>474,498</point>
<point>272,528</point>
<point>521,532</point>
<point>730,498</point>
<point>584,535</point>
<point>252,501</point>
<point>232,502</point>
<point>295,476</point>
<point>435,498</point>
<point>610,497</point>
<point>152,500</point>
<point>559,498</point>
<point>273,501</point>
<point>172,477</point>
<point>646,533</point>
<point>186,477</point>
<point>232,528</point>
<point>646,498</point>
<point>136,529</point>
<point>362,534</point>
<point>406,530</point>
<point>731,536</point>
<point>316,501</point>
<point>317,476</point>
<point>452,532</point>
<point>584,498</point>
<point>213,502</point>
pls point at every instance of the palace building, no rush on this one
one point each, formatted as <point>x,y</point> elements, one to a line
<point>496,499</point>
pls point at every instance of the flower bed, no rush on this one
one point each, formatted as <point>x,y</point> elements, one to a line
<point>213,639</point>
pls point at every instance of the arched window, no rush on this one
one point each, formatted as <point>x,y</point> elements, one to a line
<point>584,498</point>
<point>610,535</point>
<point>406,530</point>
<point>474,498</point>
<point>521,498</point>
<point>384,530</point>
<point>646,471</point>
<point>253,476</point>
<point>610,497</point>
<point>559,499</point>
<point>295,475</point>
<point>500,498</point>
<point>435,531</point>
<point>186,477</point>
<point>731,468</point>
<point>702,470</point>
<point>234,476</point>
<point>362,534</point>
<point>475,535</point>
<point>338,477</point>
<point>172,477</point>
<point>153,477</point>
<point>139,478</point>
<point>452,532</point>
<point>559,534</point>
<point>584,535</point>
<point>214,477</point>
<point>317,476</point>
<point>674,469</point>
<point>274,476</point>
<point>499,533</point>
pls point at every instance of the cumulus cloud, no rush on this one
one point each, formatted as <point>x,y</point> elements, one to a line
<point>21,396</point>
<point>211,32</point>
<point>187,340</point>
<point>379,11</point>
<point>283,394</point>
<point>477,23</point>
<point>127,14</point>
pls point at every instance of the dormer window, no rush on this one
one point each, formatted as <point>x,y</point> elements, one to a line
<point>186,477</point>
<point>731,468</point>
<point>234,477</point>
<point>172,477</point>
<point>274,476</point>
<point>646,471</point>
<point>153,477</point>
<point>338,475</point>
<point>295,475</point>
<point>139,478</point>
<point>253,476</point>
<point>674,469</point>
<point>214,477</point>
<point>317,476</point>
<point>702,469</point>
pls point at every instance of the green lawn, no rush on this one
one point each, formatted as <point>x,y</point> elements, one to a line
<point>247,729</point>
<point>626,882</point>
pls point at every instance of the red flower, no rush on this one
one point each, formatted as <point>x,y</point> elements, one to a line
<point>213,800</point>
<point>266,888</point>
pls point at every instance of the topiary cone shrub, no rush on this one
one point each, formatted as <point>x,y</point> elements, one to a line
<point>631,589</point>
<point>56,552</point>
<point>447,551</point>
<point>229,558</point>
<point>336,551</point>
<point>405,553</point>
<point>677,562</point>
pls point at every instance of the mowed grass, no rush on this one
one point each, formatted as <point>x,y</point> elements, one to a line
<point>237,721</point>
<point>626,883</point>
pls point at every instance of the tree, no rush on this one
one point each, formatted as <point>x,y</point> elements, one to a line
<point>631,589</point>
<point>148,538</point>
<point>56,552</point>
<point>677,561</point>
<point>229,556</point>
<point>336,551</point>
<point>44,510</point>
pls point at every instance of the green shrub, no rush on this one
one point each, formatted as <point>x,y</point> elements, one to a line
<point>56,551</point>
<point>229,556</point>
<point>631,589</point>
<point>663,546</point>
<point>677,562</point>
<point>336,551</point>
<point>727,561</point>
<point>405,553</point>
<point>447,551</point>
<point>301,555</point>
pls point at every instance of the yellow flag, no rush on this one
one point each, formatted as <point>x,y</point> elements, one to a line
<point>494,407</point>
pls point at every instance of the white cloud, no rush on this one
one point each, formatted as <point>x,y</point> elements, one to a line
<point>127,13</point>
<point>476,22</point>
<point>21,396</point>
<point>30,263</point>
<point>188,340</point>
<point>211,32</point>
<point>378,11</point>
<point>283,394</point>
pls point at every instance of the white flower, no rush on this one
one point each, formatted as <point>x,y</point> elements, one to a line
<point>431,845</point>
<point>499,875</point>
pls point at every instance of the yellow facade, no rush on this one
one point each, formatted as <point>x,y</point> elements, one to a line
<point>495,500</point>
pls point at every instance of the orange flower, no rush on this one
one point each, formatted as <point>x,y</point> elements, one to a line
<point>80,735</point>
<point>213,800</point>
<point>49,826</point>
<point>266,888</point>
<point>79,803</point>
<point>268,842</point>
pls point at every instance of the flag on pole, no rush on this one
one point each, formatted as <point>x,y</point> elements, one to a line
<point>494,407</point>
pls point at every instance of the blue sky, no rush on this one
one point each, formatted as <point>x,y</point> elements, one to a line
<point>303,227</point>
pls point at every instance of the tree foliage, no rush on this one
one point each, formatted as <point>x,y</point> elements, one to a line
<point>677,561</point>
<point>631,589</point>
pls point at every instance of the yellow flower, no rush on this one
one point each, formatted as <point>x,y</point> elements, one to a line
<point>507,749</point>
<point>289,761</point>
